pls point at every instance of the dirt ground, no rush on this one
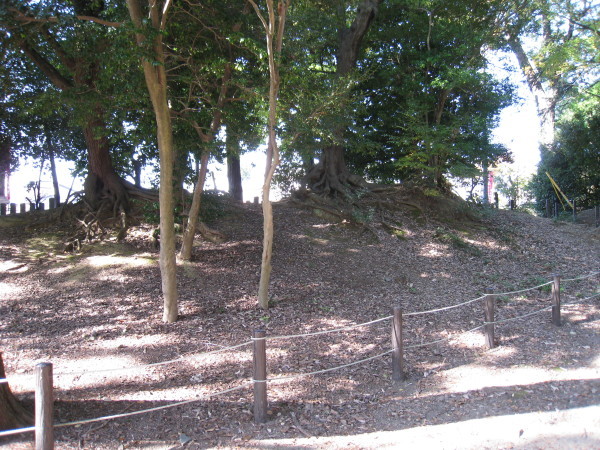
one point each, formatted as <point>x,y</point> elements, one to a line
<point>100,309</point>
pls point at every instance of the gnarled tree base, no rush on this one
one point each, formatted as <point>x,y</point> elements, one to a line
<point>107,205</point>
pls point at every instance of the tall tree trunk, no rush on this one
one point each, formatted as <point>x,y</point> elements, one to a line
<point>331,175</point>
<point>274,27</point>
<point>234,169</point>
<point>51,158</point>
<point>12,413</point>
<point>102,186</point>
<point>4,163</point>
<point>156,81</point>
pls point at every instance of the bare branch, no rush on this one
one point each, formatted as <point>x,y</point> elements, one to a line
<point>259,14</point>
<point>29,19</point>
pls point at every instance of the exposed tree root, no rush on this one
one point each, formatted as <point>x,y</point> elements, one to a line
<point>12,413</point>
<point>211,235</point>
<point>373,207</point>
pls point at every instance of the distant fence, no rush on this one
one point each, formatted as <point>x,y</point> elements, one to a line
<point>44,427</point>
<point>11,208</point>
<point>552,210</point>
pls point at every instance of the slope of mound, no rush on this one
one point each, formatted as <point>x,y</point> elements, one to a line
<point>101,309</point>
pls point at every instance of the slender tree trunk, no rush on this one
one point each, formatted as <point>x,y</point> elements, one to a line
<point>206,138</point>
<point>188,237</point>
<point>274,27</point>
<point>12,414</point>
<point>156,81</point>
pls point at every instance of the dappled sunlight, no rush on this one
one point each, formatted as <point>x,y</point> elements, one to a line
<point>130,342</point>
<point>10,291</point>
<point>102,261</point>
<point>434,250</point>
<point>13,267</point>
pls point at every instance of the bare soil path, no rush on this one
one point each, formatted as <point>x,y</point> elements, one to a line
<point>101,309</point>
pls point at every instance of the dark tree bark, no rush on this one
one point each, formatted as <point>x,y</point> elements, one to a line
<point>4,162</point>
<point>51,158</point>
<point>331,175</point>
<point>13,414</point>
<point>234,169</point>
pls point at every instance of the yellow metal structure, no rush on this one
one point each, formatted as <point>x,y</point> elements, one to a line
<point>558,191</point>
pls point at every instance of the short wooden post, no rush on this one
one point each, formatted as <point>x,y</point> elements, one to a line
<point>42,206</point>
<point>490,301</point>
<point>574,211</point>
<point>397,345</point>
<point>256,200</point>
<point>260,377</point>
<point>556,209</point>
<point>556,300</point>
<point>13,209</point>
<point>512,205</point>
<point>22,208</point>
<point>51,203</point>
<point>44,406</point>
<point>3,209</point>
<point>597,209</point>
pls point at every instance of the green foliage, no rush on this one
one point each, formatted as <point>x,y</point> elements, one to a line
<point>575,162</point>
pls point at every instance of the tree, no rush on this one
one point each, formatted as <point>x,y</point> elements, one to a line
<point>149,36</point>
<point>427,108</point>
<point>331,175</point>
<point>77,47</point>
<point>13,414</point>
<point>575,162</point>
<point>206,80</point>
<point>566,34</point>
<point>274,25</point>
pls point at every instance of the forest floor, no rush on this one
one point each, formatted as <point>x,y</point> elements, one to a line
<point>100,309</point>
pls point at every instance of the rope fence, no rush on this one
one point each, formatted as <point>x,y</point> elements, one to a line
<point>44,377</point>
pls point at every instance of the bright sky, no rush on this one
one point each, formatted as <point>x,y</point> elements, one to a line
<point>519,128</point>
<point>518,131</point>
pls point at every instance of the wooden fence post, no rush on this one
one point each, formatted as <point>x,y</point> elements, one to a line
<point>597,209</point>
<point>556,300</point>
<point>397,345</point>
<point>22,209</point>
<point>490,300</point>
<point>256,200</point>
<point>3,209</point>
<point>44,407</point>
<point>574,211</point>
<point>51,203</point>
<point>556,209</point>
<point>13,209</point>
<point>260,377</point>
